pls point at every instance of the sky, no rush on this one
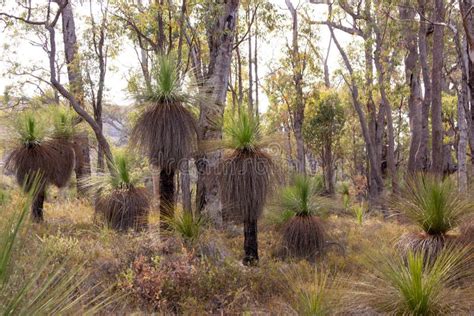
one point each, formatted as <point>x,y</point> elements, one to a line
<point>270,50</point>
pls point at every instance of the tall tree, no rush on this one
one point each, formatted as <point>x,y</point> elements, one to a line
<point>214,82</point>
<point>74,72</point>
<point>298,64</point>
<point>436,86</point>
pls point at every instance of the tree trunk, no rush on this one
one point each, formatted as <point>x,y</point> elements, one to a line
<point>255,63</point>
<point>220,41</point>
<point>388,113</point>
<point>250,69</point>
<point>37,206</point>
<point>412,78</point>
<point>422,155</point>
<point>298,66</point>
<point>76,87</point>
<point>436,84</point>
<point>328,167</point>
<point>167,190</point>
<point>377,187</point>
<point>250,242</point>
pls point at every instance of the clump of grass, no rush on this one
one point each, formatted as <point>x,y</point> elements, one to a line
<point>346,197</point>
<point>313,291</point>
<point>359,211</point>
<point>4,197</point>
<point>185,225</point>
<point>417,286</point>
<point>436,206</point>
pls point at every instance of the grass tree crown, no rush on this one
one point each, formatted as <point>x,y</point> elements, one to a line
<point>299,198</point>
<point>64,121</point>
<point>166,129</point>
<point>243,133</point>
<point>434,204</point>
<point>30,130</point>
<point>168,85</point>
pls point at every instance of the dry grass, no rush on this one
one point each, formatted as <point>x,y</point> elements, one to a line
<point>193,280</point>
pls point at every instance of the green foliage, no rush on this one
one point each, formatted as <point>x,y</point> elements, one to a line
<point>167,84</point>
<point>324,126</point>
<point>30,128</point>
<point>188,227</point>
<point>125,175</point>
<point>243,132</point>
<point>312,299</point>
<point>417,286</point>
<point>434,204</point>
<point>359,212</point>
<point>4,197</point>
<point>63,119</point>
<point>298,199</point>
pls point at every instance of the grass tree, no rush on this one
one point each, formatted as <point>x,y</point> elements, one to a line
<point>63,122</point>
<point>436,206</point>
<point>34,154</point>
<point>299,206</point>
<point>166,129</point>
<point>245,174</point>
<point>121,201</point>
<point>416,285</point>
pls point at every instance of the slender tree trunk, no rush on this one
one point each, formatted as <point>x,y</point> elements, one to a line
<point>37,206</point>
<point>250,242</point>
<point>423,161</point>
<point>371,153</point>
<point>436,77</point>
<point>412,78</point>
<point>463,104</point>
<point>298,66</point>
<point>255,63</point>
<point>388,113</point>
<point>76,87</point>
<point>250,69</point>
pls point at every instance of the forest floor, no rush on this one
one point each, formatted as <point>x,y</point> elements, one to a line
<point>146,272</point>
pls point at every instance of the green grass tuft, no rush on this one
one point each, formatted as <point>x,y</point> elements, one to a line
<point>186,226</point>
<point>30,128</point>
<point>63,119</point>
<point>167,83</point>
<point>300,197</point>
<point>243,132</point>
<point>434,204</point>
<point>416,285</point>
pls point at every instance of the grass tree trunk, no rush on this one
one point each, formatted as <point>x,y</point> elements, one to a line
<point>167,190</point>
<point>250,242</point>
<point>37,207</point>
